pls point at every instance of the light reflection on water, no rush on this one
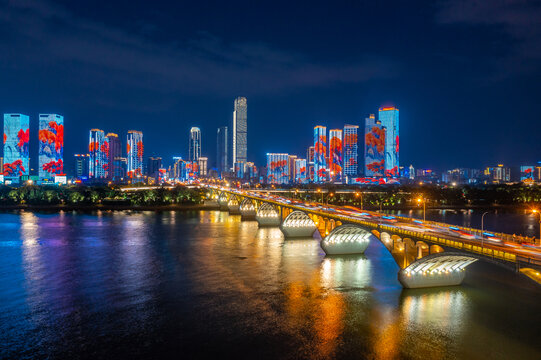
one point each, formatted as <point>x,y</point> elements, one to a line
<point>145,284</point>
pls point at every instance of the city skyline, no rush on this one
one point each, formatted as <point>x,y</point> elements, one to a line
<point>450,97</point>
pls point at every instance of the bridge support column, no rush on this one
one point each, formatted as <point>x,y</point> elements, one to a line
<point>346,239</point>
<point>267,215</point>
<point>298,224</point>
<point>435,270</point>
<point>234,209</point>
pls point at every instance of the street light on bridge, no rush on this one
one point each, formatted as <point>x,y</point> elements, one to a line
<point>357,194</point>
<point>422,200</point>
<point>319,191</point>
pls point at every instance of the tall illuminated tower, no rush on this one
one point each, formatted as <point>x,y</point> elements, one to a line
<point>97,148</point>
<point>134,151</point>
<point>240,130</point>
<point>320,154</point>
<point>222,150</point>
<point>351,167</point>
<point>114,152</point>
<point>388,116</point>
<point>16,146</point>
<point>51,145</point>
<point>195,144</point>
<point>335,155</point>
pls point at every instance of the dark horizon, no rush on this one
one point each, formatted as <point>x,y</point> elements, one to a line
<point>464,74</point>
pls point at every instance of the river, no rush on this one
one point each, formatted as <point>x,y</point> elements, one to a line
<point>207,285</point>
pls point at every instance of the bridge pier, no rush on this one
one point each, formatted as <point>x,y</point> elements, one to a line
<point>443,269</point>
<point>298,224</point>
<point>346,239</point>
<point>267,215</point>
<point>247,209</point>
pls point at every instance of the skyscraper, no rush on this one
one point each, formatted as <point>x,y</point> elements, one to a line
<point>300,171</point>
<point>374,147</point>
<point>310,163</point>
<point>16,146</point>
<point>277,168</point>
<point>98,150</point>
<point>153,167</point>
<point>82,165</point>
<point>351,167</point>
<point>335,155</point>
<point>388,116</point>
<point>222,147</point>
<point>195,144</point>
<point>134,150</point>
<point>51,145</point>
<point>240,130</point>
<point>114,151</point>
<point>320,154</point>
<point>203,165</point>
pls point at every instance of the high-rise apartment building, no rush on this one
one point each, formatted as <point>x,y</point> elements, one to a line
<point>114,151</point>
<point>388,116</point>
<point>277,168</point>
<point>16,146</point>
<point>240,130</point>
<point>300,171</point>
<point>320,154</point>
<point>81,166</point>
<point>203,165</point>
<point>374,147</point>
<point>51,145</point>
<point>153,167</point>
<point>195,144</point>
<point>134,150</point>
<point>222,147</point>
<point>292,167</point>
<point>335,155</point>
<point>310,163</point>
<point>98,150</point>
<point>350,148</point>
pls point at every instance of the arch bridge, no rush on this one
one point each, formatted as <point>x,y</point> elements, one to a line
<point>425,259</point>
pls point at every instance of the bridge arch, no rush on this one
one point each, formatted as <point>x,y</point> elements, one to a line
<point>346,239</point>
<point>268,215</point>
<point>233,205</point>
<point>298,224</point>
<point>247,208</point>
<point>439,269</point>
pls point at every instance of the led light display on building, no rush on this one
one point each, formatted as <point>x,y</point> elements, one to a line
<point>98,150</point>
<point>239,169</point>
<point>320,154</point>
<point>301,173</point>
<point>51,145</point>
<point>134,151</point>
<point>16,146</point>
<point>350,150</point>
<point>335,155</point>
<point>527,173</point>
<point>373,181</point>
<point>277,168</point>
<point>374,148</point>
<point>191,171</point>
<point>388,116</point>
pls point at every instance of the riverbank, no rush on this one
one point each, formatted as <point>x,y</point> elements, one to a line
<point>207,205</point>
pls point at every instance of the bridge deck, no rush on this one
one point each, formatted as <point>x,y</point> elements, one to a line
<point>431,232</point>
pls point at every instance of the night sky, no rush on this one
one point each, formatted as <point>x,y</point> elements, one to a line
<point>464,74</point>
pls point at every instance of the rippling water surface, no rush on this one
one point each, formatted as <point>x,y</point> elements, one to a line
<point>205,284</point>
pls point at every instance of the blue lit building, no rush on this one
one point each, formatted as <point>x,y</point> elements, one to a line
<point>51,146</point>
<point>374,147</point>
<point>16,146</point>
<point>350,149</point>
<point>134,151</point>
<point>277,168</point>
<point>388,116</point>
<point>98,151</point>
<point>320,154</point>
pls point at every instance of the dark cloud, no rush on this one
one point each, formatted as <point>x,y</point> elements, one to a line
<point>517,20</point>
<point>203,65</point>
